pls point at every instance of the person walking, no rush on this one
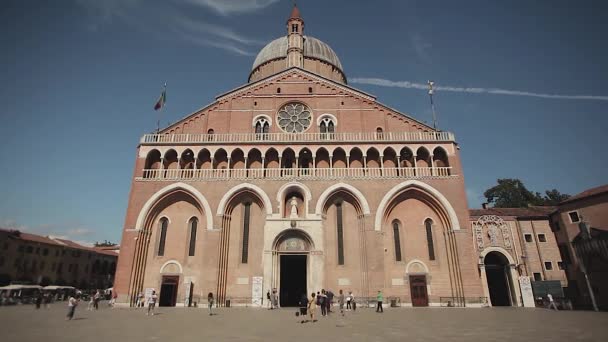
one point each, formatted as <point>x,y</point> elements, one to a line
<point>312,307</point>
<point>348,300</point>
<point>330,301</point>
<point>91,302</point>
<point>96,300</point>
<point>551,302</point>
<point>303,307</point>
<point>72,304</point>
<point>38,300</point>
<point>322,300</point>
<point>268,299</point>
<point>210,302</point>
<point>113,300</point>
<point>151,303</point>
<point>140,300</point>
<point>380,299</point>
<point>47,300</point>
<point>275,299</point>
<point>341,302</point>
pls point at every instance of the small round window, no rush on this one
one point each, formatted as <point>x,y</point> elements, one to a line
<point>294,117</point>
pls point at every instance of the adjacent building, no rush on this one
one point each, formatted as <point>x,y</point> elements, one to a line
<point>580,224</point>
<point>515,242</point>
<point>33,259</point>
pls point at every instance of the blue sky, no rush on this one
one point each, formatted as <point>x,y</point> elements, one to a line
<point>80,78</point>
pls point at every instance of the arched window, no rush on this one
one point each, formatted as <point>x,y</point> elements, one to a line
<point>192,246</point>
<point>428,224</point>
<point>164,223</point>
<point>397,240</point>
<point>327,127</point>
<point>262,127</point>
<point>379,133</point>
<point>210,133</point>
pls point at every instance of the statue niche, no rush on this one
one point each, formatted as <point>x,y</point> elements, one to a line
<point>293,206</point>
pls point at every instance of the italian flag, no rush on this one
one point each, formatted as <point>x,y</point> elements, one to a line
<point>162,99</point>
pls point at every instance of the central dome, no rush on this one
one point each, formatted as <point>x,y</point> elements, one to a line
<point>314,49</point>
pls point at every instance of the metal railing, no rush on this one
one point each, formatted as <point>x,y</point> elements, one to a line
<point>293,137</point>
<point>295,173</point>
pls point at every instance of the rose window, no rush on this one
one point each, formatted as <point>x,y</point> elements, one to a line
<point>294,118</point>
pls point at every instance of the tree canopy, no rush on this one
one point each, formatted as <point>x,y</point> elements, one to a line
<point>105,243</point>
<point>512,193</point>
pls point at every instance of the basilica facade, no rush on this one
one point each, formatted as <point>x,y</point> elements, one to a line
<point>297,182</point>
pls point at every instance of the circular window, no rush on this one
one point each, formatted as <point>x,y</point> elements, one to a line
<point>294,118</point>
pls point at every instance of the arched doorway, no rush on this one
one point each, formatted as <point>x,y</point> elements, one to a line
<point>292,249</point>
<point>499,279</point>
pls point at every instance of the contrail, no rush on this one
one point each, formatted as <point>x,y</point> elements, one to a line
<point>412,85</point>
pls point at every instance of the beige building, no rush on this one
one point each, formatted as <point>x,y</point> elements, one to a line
<point>34,259</point>
<point>514,242</point>
<point>591,208</point>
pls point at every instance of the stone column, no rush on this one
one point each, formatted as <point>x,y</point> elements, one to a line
<point>398,165</point>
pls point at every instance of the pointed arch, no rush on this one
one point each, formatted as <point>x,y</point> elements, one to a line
<point>345,187</point>
<point>143,213</point>
<point>221,208</point>
<point>415,184</point>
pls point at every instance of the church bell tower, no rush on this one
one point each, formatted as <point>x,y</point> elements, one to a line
<point>295,39</point>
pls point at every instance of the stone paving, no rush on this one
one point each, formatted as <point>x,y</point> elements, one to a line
<point>24,323</point>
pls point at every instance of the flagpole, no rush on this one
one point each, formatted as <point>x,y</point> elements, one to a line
<point>431,83</point>
<point>161,108</point>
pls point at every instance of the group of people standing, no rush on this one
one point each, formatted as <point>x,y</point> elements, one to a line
<point>325,299</point>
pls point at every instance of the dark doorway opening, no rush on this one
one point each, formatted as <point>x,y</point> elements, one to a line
<point>168,291</point>
<point>496,266</point>
<point>293,279</point>
<point>418,291</point>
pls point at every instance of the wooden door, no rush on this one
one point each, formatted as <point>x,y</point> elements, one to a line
<point>168,291</point>
<point>418,291</point>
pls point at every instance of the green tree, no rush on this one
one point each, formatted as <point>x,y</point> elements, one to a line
<point>512,193</point>
<point>105,243</point>
<point>554,197</point>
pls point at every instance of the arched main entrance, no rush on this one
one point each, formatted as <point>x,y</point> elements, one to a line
<point>292,249</point>
<point>499,279</point>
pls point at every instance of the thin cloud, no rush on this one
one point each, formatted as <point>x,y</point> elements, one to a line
<point>226,7</point>
<point>176,20</point>
<point>413,85</point>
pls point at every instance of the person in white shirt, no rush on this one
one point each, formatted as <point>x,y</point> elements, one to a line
<point>152,303</point>
<point>551,302</point>
<point>72,304</point>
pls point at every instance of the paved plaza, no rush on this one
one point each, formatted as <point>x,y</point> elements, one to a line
<point>24,323</point>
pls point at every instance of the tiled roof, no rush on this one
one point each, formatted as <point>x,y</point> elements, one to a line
<point>587,193</point>
<point>514,212</point>
<point>56,241</point>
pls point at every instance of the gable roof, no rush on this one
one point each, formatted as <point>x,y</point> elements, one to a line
<point>530,212</point>
<point>587,193</point>
<point>245,87</point>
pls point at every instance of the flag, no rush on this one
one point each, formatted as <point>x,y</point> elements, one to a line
<point>162,99</point>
